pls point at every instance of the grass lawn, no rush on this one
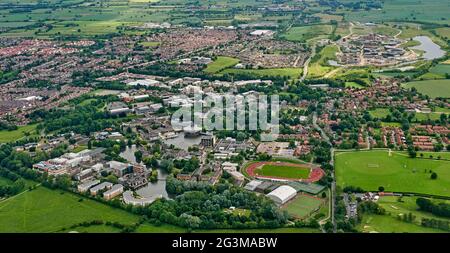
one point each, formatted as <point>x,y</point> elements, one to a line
<point>8,136</point>
<point>389,224</point>
<point>79,148</point>
<point>398,172</point>
<point>270,170</point>
<point>257,231</point>
<point>432,88</point>
<point>45,210</point>
<point>221,63</point>
<point>380,113</point>
<point>353,85</point>
<point>407,205</point>
<point>303,205</point>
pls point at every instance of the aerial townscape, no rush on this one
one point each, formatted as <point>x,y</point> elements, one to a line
<point>98,132</point>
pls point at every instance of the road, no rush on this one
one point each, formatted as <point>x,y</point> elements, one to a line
<point>305,66</point>
<point>333,184</point>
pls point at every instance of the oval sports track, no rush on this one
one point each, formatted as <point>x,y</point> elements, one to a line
<point>315,173</point>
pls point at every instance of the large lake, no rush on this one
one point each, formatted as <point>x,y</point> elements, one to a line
<point>431,49</point>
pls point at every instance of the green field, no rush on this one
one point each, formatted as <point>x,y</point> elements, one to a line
<point>292,73</point>
<point>399,173</point>
<point>305,33</point>
<point>271,170</point>
<point>8,136</point>
<point>380,113</point>
<point>432,88</point>
<point>45,210</point>
<point>435,11</point>
<point>353,85</point>
<point>388,224</point>
<point>303,205</point>
<point>221,63</point>
<point>395,208</point>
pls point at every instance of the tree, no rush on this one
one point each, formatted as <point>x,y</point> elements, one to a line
<point>434,176</point>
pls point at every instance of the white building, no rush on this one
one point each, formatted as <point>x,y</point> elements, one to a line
<point>282,194</point>
<point>129,199</point>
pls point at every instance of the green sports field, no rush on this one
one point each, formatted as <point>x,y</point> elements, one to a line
<point>372,169</point>
<point>303,205</point>
<point>284,171</point>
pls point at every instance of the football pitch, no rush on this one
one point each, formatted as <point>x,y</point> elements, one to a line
<point>286,171</point>
<point>396,172</point>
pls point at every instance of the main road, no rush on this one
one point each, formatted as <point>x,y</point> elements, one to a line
<point>333,183</point>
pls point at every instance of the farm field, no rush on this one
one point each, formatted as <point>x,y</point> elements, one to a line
<point>221,63</point>
<point>8,136</point>
<point>399,173</point>
<point>303,205</point>
<point>432,88</point>
<point>434,11</point>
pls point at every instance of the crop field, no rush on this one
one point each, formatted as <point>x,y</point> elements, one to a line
<point>441,69</point>
<point>432,88</point>
<point>303,205</point>
<point>8,136</point>
<point>291,73</point>
<point>395,172</point>
<point>221,63</point>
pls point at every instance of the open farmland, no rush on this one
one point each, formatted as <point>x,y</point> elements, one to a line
<point>305,33</point>
<point>399,173</point>
<point>432,88</point>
